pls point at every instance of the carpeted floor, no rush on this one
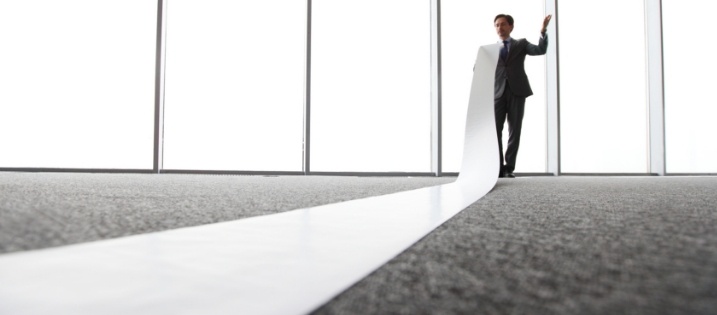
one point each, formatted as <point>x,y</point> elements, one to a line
<point>567,245</point>
<point>40,210</point>
<point>545,245</point>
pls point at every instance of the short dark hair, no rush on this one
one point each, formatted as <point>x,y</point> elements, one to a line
<point>507,18</point>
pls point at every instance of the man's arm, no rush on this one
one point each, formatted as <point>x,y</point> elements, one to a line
<point>542,46</point>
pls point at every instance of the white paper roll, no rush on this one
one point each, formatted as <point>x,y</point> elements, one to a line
<point>287,263</point>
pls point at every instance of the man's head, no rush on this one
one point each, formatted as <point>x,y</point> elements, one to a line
<point>503,25</point>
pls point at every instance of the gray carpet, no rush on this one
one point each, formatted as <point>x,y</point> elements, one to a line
<point>550,245</point>
<point>40,210</point>
<point>567,245</point>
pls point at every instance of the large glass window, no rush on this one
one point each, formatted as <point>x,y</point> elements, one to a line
<point>77,83</point>
<point>467,25</point>
<point>370,86</point>
<point>603,105</point>
<point>689,68</point>
<point>235,85</point>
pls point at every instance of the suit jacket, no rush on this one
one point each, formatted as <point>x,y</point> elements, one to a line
<point>512,70</point>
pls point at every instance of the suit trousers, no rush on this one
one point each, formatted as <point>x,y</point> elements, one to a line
<point>511,107</point>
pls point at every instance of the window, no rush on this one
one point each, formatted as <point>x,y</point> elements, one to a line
<point>689,110</point>
<point>370,86</point>
<point>465,26</point>
<point>603,105</point>
<point>77,83</point>
<point>235,85</point>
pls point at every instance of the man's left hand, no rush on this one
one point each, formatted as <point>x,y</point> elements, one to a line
<point>546,21</point>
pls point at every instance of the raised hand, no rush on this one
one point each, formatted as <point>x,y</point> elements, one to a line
<point>546,21</point>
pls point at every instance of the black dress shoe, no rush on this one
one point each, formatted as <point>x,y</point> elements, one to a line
<point>510,175</point>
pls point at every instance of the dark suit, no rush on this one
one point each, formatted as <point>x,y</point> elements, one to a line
<point>511,89</point>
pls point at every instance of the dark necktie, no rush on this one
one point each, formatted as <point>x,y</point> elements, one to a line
<point>504,51</point>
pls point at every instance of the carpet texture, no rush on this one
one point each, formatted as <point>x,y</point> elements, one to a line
<point>40,210</point>
<point>546,245</point>
<point>567,245</point>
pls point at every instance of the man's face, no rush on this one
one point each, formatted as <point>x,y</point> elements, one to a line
<point>503,28</point>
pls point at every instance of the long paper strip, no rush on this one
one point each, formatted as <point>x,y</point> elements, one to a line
<point>287,263</point>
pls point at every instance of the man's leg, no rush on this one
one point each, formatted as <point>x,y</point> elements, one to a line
<point>515,111</point>
<point>501,108</point>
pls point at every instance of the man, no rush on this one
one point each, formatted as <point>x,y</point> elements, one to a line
<point>512,86</point>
